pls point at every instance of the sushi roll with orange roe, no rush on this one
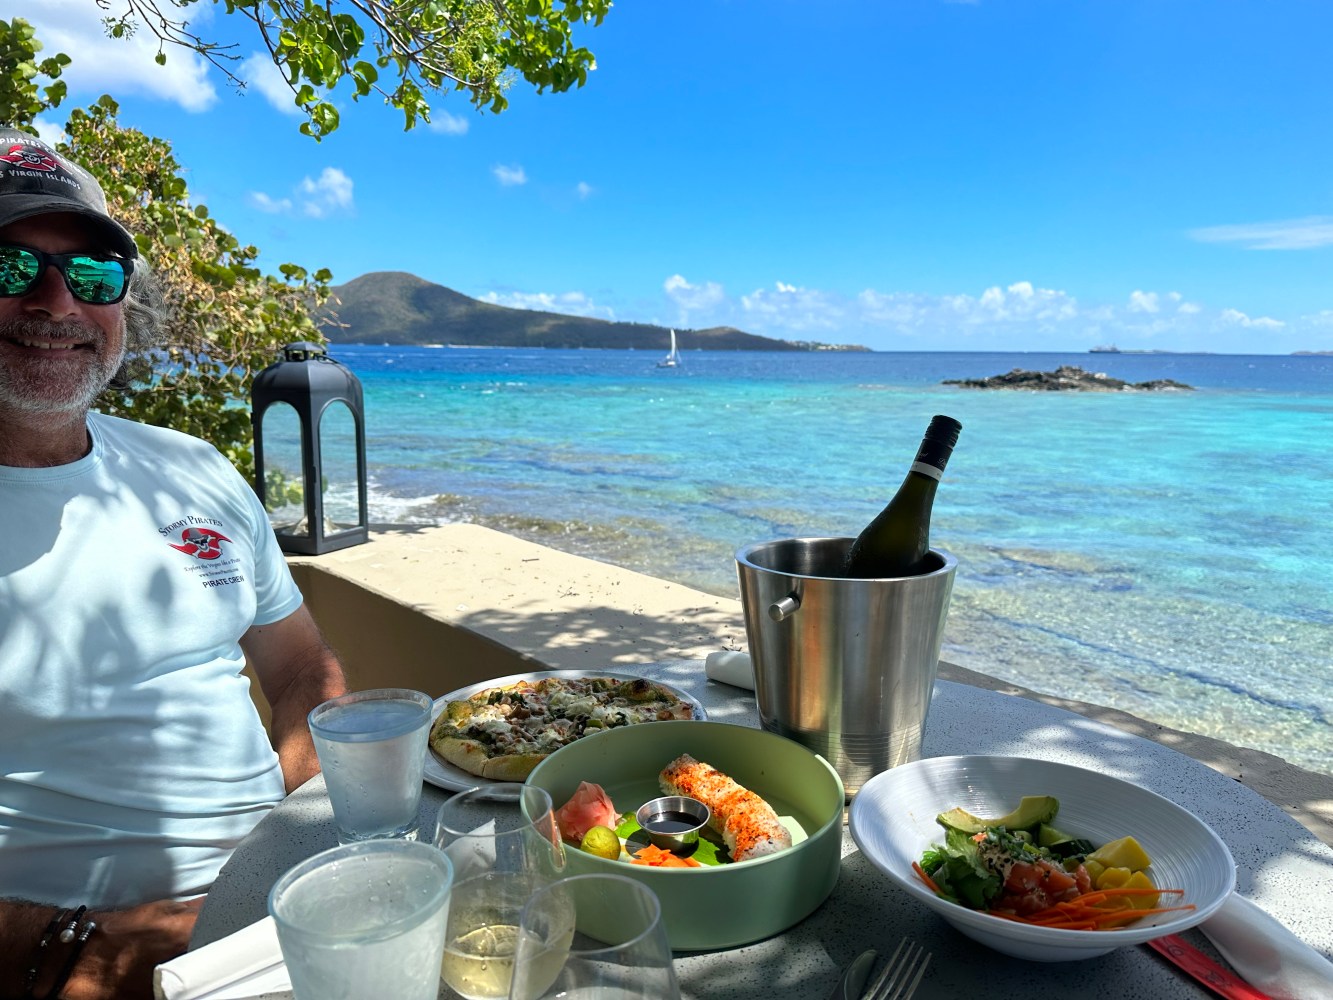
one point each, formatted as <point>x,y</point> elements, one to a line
<point>748,825</point>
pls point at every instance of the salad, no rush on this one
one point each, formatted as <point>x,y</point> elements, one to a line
<point>1022,867</point>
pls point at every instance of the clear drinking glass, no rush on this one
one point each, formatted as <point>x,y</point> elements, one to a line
<point>593,937</point>
<point>505,845</point>
<point>372,750</point>
<point>364,920</point>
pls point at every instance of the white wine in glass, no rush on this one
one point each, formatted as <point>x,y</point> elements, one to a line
<point>505,845</point>
<point>593,937</point>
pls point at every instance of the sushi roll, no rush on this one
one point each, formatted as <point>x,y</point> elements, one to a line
<point>748,825</point>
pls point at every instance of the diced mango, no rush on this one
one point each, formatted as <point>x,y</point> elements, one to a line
<point>1147,900</point>
<point>1112,878</point>
<point>1122,853</point>
<point>1094,869</point>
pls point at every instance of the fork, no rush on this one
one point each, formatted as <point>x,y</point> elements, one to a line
<point>902,975</point>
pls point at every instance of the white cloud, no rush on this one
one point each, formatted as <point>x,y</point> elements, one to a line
<point>48,130</point>
<point>583,190</point>
<point>567,303</point>
<point>263,77</point>
<point>331,192</point>
<point>995,318</point>
<point>1145,302</point>
<point>442,121</point>
<point>120,65</point>
<point>509,176</point>
<point>803,312</point>
<point>1238,318</point>
<point>1291,234</point>
<point>273,206</point>
<point>315,197</point>
<point>1002,317</point>
<point>690,298</point>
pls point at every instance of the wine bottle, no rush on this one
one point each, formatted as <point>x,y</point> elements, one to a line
<point>897,541</point>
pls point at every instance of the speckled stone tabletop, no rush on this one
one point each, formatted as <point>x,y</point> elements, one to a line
<point>1280,865</point>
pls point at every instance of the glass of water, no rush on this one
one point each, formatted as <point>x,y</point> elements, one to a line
<point>372,750</point>
<point>593,937</point>
<point>364,920</point>
<point>504,845</point>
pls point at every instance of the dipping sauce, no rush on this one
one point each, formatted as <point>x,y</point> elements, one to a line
<point>671,822</point>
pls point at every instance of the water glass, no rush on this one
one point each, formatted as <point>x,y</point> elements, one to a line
<point>364,920</point>
<point>593,937</point>
<point>504,845</point>
<point>372,750</point>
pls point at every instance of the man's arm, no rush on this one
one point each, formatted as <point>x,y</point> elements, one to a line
<point>117,961</point>
<point>297,670</point>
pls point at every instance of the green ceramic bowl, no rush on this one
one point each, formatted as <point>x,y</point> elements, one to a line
<point>720,906</point>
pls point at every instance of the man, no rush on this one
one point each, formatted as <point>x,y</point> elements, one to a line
<point>132,759</point>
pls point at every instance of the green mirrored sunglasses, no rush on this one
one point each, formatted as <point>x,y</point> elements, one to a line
<point>90,278</point>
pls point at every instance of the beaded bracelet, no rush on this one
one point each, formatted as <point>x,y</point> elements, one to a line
<point>84,933</point>
<point>30,980</point>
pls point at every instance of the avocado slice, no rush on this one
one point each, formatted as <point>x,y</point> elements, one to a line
<point>1032,811</point>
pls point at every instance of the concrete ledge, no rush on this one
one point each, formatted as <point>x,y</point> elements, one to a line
<point>435,608</point>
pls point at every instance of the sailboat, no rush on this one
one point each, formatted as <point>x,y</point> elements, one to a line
<point>672,360</point>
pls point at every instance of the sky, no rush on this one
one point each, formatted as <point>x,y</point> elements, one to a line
<point>1011,175</point>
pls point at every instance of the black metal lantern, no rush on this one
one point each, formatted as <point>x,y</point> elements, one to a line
<point>310,456</point>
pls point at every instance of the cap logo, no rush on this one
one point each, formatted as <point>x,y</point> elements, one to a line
<point>30,159</point>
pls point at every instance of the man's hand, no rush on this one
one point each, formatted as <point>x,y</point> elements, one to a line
<point>118,959</point>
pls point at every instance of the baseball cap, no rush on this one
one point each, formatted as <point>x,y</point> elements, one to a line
<point>35,180</point>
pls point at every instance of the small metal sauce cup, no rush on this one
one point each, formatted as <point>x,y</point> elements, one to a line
<point>679,839</point>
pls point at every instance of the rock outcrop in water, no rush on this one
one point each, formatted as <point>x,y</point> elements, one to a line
<point>1064,378</point>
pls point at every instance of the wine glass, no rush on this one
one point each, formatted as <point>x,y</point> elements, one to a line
<point>504,845</point>
<point>593,937</point>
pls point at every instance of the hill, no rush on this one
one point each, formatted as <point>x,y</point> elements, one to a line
<point>391,307</point>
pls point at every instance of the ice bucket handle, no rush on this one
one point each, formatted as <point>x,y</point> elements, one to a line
<point>785,608</point>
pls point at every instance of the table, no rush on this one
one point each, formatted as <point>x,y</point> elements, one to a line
<point>1281,865</point>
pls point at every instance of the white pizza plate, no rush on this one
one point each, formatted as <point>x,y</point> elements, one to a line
<point>442,774</point>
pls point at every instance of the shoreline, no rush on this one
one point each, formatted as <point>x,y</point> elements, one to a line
<point>1033,630</point>
<point>440,606</point>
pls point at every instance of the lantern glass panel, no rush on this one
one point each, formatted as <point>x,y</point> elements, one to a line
<point>284,481</point>
<point>339,479</point>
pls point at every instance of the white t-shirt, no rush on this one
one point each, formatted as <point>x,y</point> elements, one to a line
<point>132,759</point>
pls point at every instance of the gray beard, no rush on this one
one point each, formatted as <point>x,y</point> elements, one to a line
<point>59,387</point>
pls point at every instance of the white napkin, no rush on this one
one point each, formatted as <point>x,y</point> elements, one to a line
<point>1267,955</point>
<point>474,853</point>
<point>730,666</point>
<point>244,964</point>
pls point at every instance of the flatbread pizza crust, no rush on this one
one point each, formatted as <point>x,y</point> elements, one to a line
<point>502,733</point>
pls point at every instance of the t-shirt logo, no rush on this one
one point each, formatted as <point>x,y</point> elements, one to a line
<point>202,543</point>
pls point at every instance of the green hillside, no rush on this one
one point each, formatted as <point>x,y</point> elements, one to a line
<point>391,307</point>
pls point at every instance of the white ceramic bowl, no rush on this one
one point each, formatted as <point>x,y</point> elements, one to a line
<point>892,820</point>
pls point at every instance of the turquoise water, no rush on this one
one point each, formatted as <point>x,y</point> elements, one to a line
<point>1162,553</point>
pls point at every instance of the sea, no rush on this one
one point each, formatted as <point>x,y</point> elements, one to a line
<point>1161,552</point>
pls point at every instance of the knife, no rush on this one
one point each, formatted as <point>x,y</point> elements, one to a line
<point>854,977</point>
<point>1180,952</point>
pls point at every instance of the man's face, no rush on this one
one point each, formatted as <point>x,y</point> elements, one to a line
<point>56,353</point>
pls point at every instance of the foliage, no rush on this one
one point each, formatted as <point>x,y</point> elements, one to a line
<point>400,49</point>
<point>21,99</point>
<point>227,320</point>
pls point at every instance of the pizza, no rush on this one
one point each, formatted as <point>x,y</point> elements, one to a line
<point>503,732</point>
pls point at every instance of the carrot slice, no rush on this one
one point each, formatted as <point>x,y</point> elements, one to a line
<point>656,857</point>
<point>921,873</point>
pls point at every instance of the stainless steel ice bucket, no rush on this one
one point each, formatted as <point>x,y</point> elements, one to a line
<point>843,666</point>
